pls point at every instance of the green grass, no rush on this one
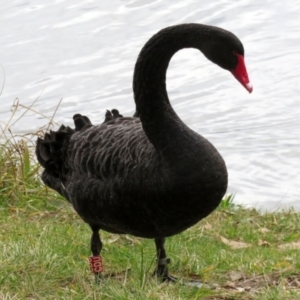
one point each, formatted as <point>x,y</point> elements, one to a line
<point>44,248</point>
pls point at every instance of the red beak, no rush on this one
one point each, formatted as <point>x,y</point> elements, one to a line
<point>240,73</point>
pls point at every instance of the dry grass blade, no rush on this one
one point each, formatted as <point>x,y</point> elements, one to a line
<point>3,84</point>
<point>16,107</point>
<point>292,245</point>
<point>264,230</point>
<point>26,108</point>
<point>7,124</point>
<point>53,115</point>
<point>234,244</point>
<point>263,243</point>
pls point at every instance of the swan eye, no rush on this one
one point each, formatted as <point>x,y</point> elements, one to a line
<point>235,52</point>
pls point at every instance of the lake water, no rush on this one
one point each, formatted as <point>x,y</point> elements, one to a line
<point>85,51</point>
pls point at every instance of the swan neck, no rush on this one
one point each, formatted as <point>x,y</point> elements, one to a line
<point>153,61</point>
<point>149,84</point>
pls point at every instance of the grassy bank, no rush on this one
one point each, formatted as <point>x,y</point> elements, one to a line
<point>44,248</point>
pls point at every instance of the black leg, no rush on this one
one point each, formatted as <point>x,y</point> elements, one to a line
<point>161,270</point>
<point>96,260</point>
<point>162,261</point>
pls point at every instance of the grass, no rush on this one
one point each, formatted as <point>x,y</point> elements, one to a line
<point>44,248</point>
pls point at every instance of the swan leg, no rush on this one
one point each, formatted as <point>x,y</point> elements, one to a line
<point>161,270</point>
<point>96,260</point>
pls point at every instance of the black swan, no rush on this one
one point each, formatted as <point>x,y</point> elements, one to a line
<point>150,175</point>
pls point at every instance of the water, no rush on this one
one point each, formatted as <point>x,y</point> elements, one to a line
<point>84,52</point>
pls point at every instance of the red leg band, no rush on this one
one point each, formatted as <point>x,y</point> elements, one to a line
<point>96,265</point>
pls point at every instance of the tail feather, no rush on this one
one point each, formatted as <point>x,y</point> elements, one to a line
<point>49,149</point>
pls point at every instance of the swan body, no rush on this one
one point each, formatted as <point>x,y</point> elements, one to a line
<point>150,175</point>
<point>135,190</point>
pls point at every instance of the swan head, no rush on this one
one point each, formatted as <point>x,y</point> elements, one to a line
<point>226,50</point>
